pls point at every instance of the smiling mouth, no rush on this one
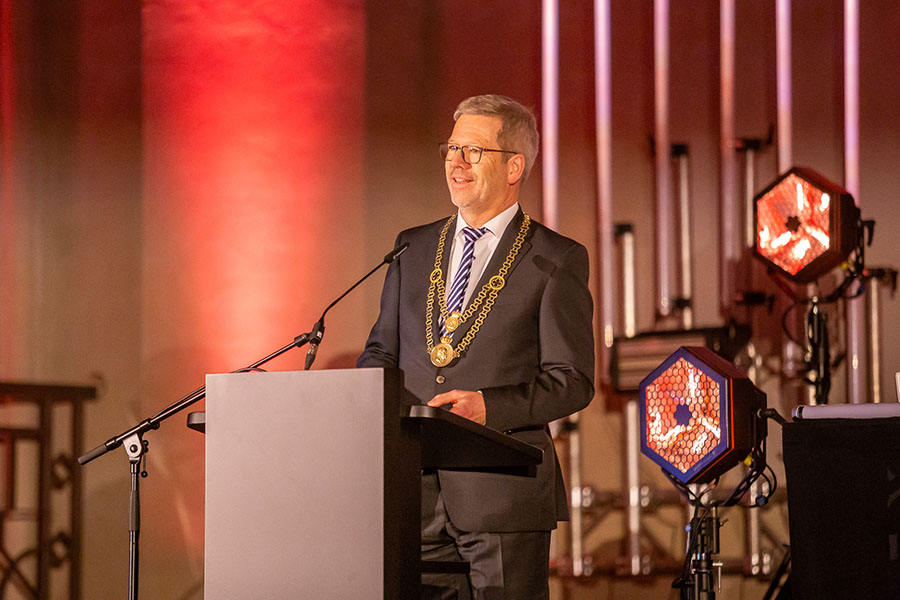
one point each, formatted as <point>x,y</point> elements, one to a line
<point>460,179</point>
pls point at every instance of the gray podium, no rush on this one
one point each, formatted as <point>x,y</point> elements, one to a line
<point>313,482</point>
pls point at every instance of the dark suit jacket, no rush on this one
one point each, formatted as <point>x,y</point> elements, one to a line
<point>533,360</point>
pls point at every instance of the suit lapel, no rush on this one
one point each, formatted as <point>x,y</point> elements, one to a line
<point>445,271</point>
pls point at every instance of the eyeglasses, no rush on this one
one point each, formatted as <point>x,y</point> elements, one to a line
<point>470,154</point>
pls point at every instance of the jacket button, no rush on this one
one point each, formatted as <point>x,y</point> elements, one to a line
<point>440,379</point>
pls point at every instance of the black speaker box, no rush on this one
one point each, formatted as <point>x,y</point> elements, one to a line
<point>843,487</point>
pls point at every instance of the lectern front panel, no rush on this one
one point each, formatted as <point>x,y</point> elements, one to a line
<point>295,485</point>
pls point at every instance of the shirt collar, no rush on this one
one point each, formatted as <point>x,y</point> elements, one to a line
<point>496,225</point>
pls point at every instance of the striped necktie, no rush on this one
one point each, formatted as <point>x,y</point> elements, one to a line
<point>461,281</point>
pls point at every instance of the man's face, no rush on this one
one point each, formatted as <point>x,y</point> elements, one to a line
<point>482,188</point>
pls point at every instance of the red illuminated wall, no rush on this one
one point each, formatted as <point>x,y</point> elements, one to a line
<point>252,212</point>
<point>7,192</point>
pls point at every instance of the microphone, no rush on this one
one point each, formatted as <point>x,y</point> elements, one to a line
<point>318,330</point>
<point>394,254</point>
<point>315,337</point>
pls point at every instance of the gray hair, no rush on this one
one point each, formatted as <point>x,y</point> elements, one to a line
<point>518,126</point>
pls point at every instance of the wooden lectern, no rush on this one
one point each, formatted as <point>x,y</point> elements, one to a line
<point>313,482</point>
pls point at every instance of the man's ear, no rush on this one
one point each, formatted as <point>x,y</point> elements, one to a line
<point>515,168</point>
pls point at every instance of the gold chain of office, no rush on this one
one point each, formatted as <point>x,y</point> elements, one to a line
<point>443,353</point>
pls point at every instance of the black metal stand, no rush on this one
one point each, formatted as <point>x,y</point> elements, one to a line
<point>701,574</point>
<point>819,351</point>
<point>136,448</point>
<point>706,573</point>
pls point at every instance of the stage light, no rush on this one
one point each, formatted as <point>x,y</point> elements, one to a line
<point>805,224</point>
<point>699,415</point>
<point>633,356</point>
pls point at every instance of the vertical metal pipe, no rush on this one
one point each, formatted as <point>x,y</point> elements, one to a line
<point>728,213</point>
<point>783,83</point>
<point>631,422</point>
<point>749,193</point>
<point>858,368</point>
<point>550,214</point>
<point>851,97</point>
<point>792,354</point>
<point>684,240</point>
<point>45,487</point>
<point>576,502</point>
<point>760,560</point>
<point>550,111</point>
<point>752,517</point>
<point>663,178</point>
<point>873,295</point>
<point>633,486</point>
<point>603,118</point>
<point>629,281</point>
<point>76,499</point>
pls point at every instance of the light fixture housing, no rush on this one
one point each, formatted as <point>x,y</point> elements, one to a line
<point>805,224</point>
<point>699,415</point>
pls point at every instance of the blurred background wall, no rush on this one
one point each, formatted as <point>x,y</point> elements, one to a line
<point>186,185</point>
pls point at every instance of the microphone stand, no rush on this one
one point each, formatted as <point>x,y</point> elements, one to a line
<point>136,447</point>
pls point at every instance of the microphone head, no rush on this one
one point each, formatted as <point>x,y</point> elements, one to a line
<point>396,252</point>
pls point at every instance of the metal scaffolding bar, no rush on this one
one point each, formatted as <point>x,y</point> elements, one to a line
<point>783,83</point>
<point>663,176</point>
<point>550,111</point>
<point>605,232</point>
<point>858,367</point>
<point>728,212</point>
<point>686,284</point>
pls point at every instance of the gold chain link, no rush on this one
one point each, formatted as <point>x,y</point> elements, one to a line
<point>488,291</point>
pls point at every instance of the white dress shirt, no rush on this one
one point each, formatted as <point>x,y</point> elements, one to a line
<point>484,248</point>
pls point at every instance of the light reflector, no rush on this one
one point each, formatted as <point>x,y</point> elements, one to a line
<point>698,415</point>
<point>805,224</point>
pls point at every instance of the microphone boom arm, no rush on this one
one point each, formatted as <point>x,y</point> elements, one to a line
<point>200,393</point>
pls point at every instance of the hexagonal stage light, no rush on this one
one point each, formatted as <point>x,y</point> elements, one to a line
<point>699,415</point>
<point>805,224</point>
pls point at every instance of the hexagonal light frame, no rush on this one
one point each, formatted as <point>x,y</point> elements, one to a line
<point>720,391</point>
<point>805,224</point>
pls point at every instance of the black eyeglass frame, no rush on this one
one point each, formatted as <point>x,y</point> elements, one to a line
<point>445,148</point>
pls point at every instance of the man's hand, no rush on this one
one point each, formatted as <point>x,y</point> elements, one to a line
<point>465,404</point>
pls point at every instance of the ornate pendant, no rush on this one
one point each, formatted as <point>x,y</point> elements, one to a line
<point>442,354</point>
<point>452,321</point>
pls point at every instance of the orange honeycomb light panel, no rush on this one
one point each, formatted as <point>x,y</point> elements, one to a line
<point>699,415</point>
<point>683,418</point>
<point>805,225</point>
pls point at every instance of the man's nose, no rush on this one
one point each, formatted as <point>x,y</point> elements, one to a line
<point>457,160</point>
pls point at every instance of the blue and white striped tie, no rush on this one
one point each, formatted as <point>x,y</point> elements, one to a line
<point>461,281</point>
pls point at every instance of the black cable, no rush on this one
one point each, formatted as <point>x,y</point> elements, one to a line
<point>784,317</point>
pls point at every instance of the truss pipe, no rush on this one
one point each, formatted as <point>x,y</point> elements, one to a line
<point>728,213</point>
<point>663,177</point>
<point>633,485</point>
<point>873,294</point>
<point>859,369</point>
<point>550,111</point>
<point>684,240</point>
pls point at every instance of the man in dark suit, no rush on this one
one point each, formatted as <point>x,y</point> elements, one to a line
<point>489,314</point>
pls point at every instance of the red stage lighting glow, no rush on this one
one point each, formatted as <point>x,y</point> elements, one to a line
<point>805,225</point>
<point>698,415</point>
